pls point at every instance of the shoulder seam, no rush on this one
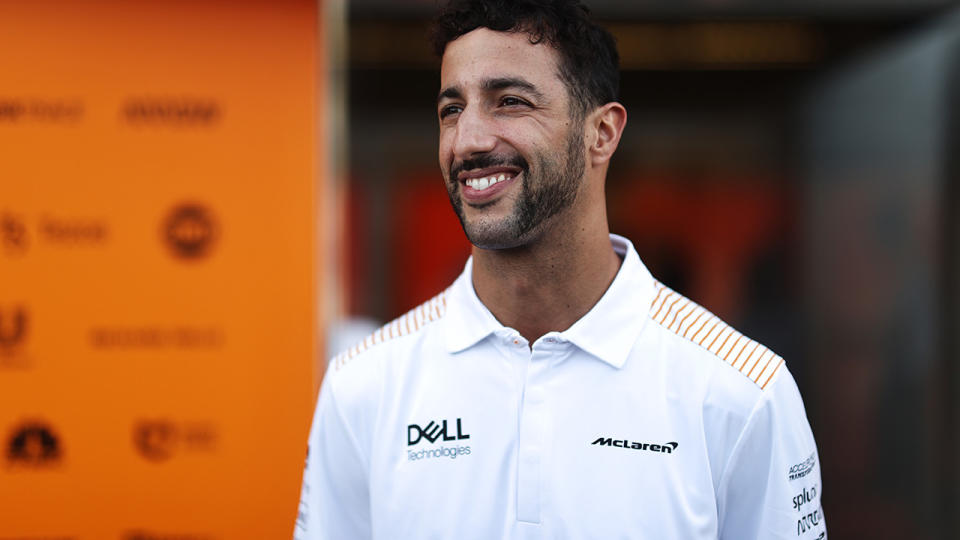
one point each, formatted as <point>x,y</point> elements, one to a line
<point>692,322</point>
<point>409,323</point>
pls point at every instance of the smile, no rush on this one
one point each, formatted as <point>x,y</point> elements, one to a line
<point>480,184</point>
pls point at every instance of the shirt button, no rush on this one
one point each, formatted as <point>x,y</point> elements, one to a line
<point>516,342</point>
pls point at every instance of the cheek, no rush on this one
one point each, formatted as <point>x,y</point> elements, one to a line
<point>445,145</point>
<point>443,150</point>
<point>445,154</point>
<point>444,162</point>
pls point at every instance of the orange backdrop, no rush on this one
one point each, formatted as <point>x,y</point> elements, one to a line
<point>157,266</point>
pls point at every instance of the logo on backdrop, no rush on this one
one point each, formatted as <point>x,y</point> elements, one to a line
<point>73,231</point>
<point>117,338</point>
<point>44,537</point>
<point>59,231</point>
<point>158,440</point>
<point>182,111</point>
<point>190,231</point>
<point>13,329</point>
<point>16,110</point>
<point>148,535</point>
<point>40,537</point>
<point>13,234</point>
<point>155,439</point>
<point>34,444</point>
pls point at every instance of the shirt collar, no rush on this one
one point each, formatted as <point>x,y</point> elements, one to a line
<point>607,332</point>
<point>467,321</point>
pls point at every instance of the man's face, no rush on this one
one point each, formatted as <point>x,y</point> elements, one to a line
<point>511,152</point>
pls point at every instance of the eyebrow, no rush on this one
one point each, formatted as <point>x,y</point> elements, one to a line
<point>489,85</point>
<point>502,83</point>
<point>452,92</point>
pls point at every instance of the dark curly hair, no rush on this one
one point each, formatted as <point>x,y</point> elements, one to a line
<point>589,62</point>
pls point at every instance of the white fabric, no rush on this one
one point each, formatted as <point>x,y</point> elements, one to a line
<point>525,452</point>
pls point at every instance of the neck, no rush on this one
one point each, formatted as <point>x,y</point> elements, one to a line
<point>551,283</point>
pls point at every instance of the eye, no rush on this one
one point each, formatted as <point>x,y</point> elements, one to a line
<point>513,101</point>
<point>447,110</point>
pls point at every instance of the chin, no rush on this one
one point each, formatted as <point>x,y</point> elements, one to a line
<point>484,238</point>
<point>504,238</point>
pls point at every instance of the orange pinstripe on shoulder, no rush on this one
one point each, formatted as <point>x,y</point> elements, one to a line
<point>409,323</point>
<point>688,320</point>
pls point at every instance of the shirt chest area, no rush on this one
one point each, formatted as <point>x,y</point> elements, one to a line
<point>545,443</point>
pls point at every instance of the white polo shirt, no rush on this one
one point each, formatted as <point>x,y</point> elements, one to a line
<point>648,418</point>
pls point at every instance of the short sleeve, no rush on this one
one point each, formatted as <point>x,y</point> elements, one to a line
<point>334,497</point>
<point>771,487</point>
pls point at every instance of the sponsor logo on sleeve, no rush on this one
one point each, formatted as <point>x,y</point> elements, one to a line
<point>433,432</point>
<point>810,521</point>
<point>803,468</point>
<point>806,496</point>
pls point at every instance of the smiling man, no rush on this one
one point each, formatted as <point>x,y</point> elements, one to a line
<point>556,389</point>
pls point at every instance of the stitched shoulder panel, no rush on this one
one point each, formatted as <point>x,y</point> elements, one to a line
<point>409,323</point>
<point>688,320</point>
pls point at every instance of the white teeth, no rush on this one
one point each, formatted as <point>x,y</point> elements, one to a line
<point>481,184</point>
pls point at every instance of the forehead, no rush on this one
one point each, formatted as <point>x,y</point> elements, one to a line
<point>483,54</point>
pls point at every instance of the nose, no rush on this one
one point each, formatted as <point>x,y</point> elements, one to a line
<point>474,134</point>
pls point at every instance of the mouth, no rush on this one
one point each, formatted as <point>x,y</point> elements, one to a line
<point>480,185</point>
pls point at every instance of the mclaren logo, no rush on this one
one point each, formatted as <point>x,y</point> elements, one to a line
<point>665,448</point>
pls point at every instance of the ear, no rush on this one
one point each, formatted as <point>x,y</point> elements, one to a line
<point>608,122</point>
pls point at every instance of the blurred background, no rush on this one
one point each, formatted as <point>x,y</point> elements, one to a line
<point>791,165</point>
<point>201,201</point>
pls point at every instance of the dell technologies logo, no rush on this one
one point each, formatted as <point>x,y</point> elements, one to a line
<point>433,432</point>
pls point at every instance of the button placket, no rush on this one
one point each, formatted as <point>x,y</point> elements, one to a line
<point>533,436</point>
